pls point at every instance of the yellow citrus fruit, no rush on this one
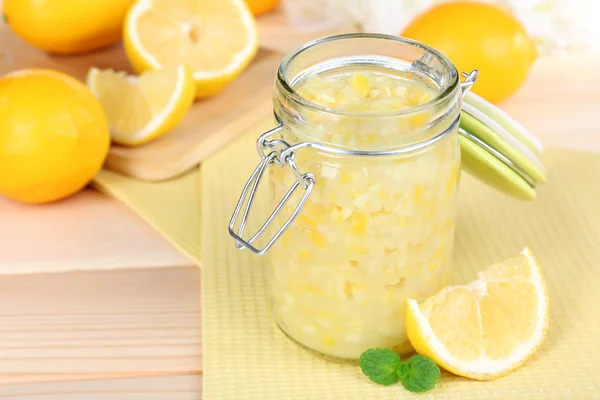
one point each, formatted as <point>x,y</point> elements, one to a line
<point>53,135</point>
<point>486,328</point>
<point>259,7</point>
<point>216,39</point>
<point>140,109</point>
<point>67,26</point>
<point>481,36</point>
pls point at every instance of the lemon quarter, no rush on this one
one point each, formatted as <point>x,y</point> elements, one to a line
<point>487,328</point>
<point>140,109</point>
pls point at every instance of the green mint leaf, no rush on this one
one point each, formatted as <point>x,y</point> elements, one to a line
<point>380,365</point>
<point>420,374</point>
<point>403,370</point>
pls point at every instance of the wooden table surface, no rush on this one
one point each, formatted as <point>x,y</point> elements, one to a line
<point>105,328</point>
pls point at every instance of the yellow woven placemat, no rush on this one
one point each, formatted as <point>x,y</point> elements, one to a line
<point>247,357</point>
<point>171,207</point>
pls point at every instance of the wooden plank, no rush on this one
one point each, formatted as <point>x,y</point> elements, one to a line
<point>144,321</point>
<point>9,379</point>
<point>88,231</point>
<point>277,35</point>
<point>180,387</point>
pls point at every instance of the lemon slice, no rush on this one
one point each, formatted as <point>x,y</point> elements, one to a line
<point>487,328</point>
<point>217,39</point>
<point>140,109</point>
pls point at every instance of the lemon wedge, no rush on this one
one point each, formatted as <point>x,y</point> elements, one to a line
<point>216,39</point>
<point>140,109</point>
<point>487,328</point>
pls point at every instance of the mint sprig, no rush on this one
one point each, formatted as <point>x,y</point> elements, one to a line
<point>380,365</point>
<point>419,374</point>
<point>383,366</point>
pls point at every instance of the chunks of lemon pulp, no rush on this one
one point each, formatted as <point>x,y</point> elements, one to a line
<point>486,328</point>
<point>140,109</point>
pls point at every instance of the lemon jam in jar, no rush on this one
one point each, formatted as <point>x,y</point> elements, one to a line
<point>368,142</point>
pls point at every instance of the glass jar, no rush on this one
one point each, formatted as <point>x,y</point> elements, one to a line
<point>365,168</point>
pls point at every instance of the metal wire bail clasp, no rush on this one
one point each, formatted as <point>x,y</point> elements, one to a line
<point>282,155</point>
<point>470,79</point>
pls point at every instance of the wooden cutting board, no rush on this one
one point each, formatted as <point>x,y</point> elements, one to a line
<point>209,125</point>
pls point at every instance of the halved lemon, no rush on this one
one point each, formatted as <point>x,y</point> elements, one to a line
<point>487,328</point>
<point>217,39</point>
<point>140,109</point>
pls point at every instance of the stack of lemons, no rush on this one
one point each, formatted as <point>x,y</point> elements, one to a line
<point>57,132</point>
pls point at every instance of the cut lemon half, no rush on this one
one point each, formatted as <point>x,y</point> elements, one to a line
<point>140,109</point>
<point>217,39</point>
<point>487,328</point>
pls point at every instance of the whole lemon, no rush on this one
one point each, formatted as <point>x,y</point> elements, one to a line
<point>67,26</point>
<point>259,7</point>
<point>54,135</point>
<point>479,36</point>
